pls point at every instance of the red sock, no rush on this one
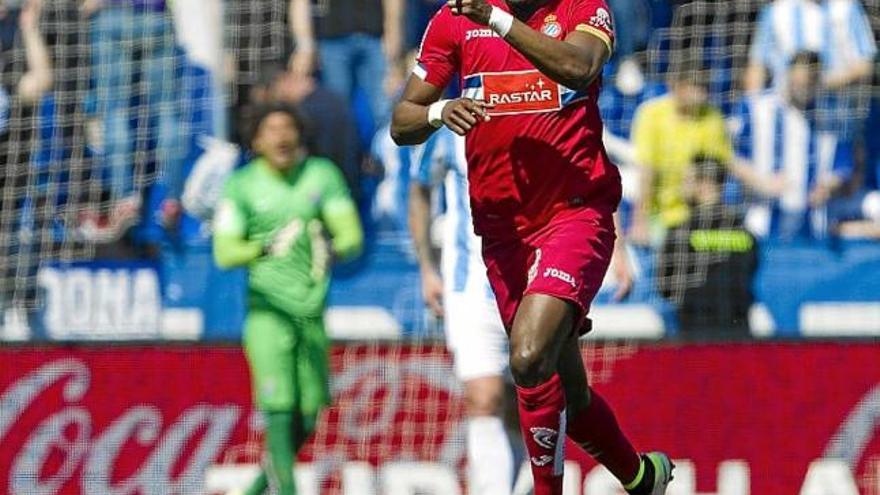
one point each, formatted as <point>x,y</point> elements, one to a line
<point>596,430</point>
<point>542,421</point>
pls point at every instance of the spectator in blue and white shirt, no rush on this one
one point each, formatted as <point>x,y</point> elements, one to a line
<point>388,210</point>
<point>858,215</point>
<point>777,133</point>
<point>838,30</point>
<point>133,41</point>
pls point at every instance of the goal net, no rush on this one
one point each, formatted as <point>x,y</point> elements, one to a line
<point>722,231</point>
<point>98,113</point>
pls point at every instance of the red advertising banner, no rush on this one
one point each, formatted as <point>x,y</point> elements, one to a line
<point>740,419</point>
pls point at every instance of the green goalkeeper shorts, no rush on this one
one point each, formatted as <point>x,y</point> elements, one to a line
<point>288,361</point>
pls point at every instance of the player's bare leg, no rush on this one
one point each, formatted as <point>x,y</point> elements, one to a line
<point>484,396</point>
<point>490,459</point>
<point>540,328</point>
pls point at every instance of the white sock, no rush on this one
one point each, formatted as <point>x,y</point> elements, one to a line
<point>490,459</point>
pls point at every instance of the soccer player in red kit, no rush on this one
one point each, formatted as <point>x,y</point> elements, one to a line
<point>543,194</point>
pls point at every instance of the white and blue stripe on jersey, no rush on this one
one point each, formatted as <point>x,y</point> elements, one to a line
<point>389,204</point>
<point>441,161</point>
<point>838,30</point>
<point>779,138</point>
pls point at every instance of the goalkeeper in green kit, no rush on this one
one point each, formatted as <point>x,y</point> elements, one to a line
<point>286,216</point>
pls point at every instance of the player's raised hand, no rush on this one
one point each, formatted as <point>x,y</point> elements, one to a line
<point>463,114</point>
<point>475,10</point>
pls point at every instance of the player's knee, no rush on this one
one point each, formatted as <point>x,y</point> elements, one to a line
<point>541,323</point>
<point>529,365</point>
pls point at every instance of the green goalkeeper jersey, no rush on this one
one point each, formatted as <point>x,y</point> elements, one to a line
<point>286,228</point>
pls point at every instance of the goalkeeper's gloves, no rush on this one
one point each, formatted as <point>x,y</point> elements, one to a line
<point>281,241</point>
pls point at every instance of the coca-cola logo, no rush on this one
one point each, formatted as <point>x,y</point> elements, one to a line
<point>68,439</point>
<point>72,432</point>
<point>147,420</point>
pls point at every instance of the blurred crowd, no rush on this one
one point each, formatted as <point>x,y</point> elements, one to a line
<point>734,123</point>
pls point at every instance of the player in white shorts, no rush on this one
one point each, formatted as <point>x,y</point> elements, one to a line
<point>460,293</point>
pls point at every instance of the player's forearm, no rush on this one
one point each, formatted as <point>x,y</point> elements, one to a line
<point>393,11</point>
<point>38,78</point>
<point>753,180</point>
<point>300,13</point>
<point>642,211</point>
<point>865,229</point>
<point>409,124</point>
<point>640,219</point>
<point>572,66</point>
<point>855,72</point>
<point>344,225</point>
<point>232,252</point>
<point>420,226</point>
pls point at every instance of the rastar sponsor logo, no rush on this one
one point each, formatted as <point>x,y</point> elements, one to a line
<point>520,92</point>
<point>523,97</point>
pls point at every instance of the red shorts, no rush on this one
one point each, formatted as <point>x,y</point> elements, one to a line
<point>567,259</point>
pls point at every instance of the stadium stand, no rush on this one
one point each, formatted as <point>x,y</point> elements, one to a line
<point>101,150</point>
<point>121,119</point>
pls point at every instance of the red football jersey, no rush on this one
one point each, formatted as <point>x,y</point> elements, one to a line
<point>542,150</point>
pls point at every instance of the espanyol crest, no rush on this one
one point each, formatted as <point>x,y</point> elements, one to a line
<point>551,27</point>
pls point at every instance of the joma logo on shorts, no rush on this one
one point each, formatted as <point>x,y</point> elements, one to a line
<point>561,275</point>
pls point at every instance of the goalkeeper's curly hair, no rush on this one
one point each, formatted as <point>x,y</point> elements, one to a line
<point>256,114</point>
